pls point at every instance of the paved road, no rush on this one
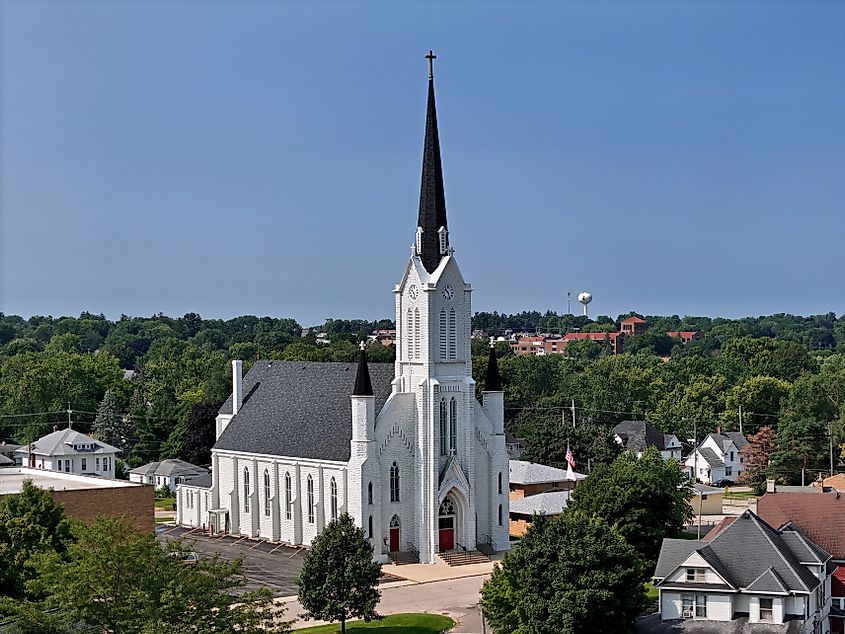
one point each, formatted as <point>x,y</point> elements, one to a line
<point>455,598</point>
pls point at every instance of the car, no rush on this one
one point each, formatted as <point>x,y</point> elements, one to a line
<point>724,482</point>
<point>188,558</point>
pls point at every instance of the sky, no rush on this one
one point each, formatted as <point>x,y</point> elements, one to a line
<point>231,158</point>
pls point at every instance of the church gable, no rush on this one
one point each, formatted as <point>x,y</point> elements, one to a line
<point>299,409</point>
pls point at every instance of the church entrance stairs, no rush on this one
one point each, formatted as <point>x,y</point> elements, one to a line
<point>402,558</point>
<point>463,557</point>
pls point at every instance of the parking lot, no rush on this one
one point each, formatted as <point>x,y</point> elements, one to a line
<point>265,564</point>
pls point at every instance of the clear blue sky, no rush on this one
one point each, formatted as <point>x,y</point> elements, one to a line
<point>261,158</point>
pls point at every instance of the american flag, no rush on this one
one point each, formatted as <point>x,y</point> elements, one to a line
<point>570,460</point>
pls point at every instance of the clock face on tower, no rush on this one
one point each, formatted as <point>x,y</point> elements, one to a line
<point>413,292</point>
<point>448,292</point>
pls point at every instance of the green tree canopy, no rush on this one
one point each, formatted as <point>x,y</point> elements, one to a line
<point>645,499</point>
<point>339,579</point>
<point>569,575</point>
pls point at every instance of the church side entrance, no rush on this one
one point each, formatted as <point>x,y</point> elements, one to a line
<point>394,534</point>
<point>446,525</point>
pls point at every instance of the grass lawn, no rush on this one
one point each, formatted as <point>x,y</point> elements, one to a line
<point>165,520</point>
<point>165,503</point>
<point>393,624</point>
<point>740,495</point>
<point>651,593</point>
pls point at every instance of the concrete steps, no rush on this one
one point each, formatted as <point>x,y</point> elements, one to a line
<point>463,557</point>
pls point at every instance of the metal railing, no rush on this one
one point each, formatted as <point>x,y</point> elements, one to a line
<point>413,549</point>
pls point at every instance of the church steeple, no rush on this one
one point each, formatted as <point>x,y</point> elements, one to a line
<point>493,380</point>
<point>432,231</point>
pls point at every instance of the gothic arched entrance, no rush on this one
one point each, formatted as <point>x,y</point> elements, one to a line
<point>446,519</point>
<point>394,534</point>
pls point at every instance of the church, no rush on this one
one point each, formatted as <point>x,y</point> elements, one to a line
<point>406,449</point>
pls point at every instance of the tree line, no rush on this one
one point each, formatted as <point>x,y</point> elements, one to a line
<point>152,385</point>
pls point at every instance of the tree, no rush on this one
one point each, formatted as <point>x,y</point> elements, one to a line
<point>755,457</point>
<point>801,444</point>
<point>756,395</point>
<point>570,575</point>
<point>339,579</point>
<point>200,433</point>
<point>111,426</point>
<point>30,522</point>
<point>115,578</point>
<point>645,498</point>
<point>548,436</point>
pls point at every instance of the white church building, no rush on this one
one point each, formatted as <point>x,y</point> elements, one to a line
<point>406,448</point>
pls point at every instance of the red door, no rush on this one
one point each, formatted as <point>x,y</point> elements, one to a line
<point>394,539</point>
<point>446,526</point>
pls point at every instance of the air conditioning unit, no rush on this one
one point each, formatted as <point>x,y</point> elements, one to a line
<point>687,614</point>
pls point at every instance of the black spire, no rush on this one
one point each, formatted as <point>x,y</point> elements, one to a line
<point>493,381</point>
<point>432,197</point>
<point>363,386</point>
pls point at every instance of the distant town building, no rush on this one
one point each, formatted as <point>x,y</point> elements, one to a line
<point>633,326</point>
<point>167,473</point>
<point>637,435</point>
<point>7,450</point>
<point>541,345</point>
<point>69,451</point>
<point>386,337</point>
<point>684,335</point>
<point>717,458</point>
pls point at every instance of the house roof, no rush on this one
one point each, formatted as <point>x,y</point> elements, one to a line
<point>836,482</point>
<point>8,448</point>
<point>638,435</point>
<point>596,336</point>
<point>699,489</point>
<point>299,409</point>
<point>169,467</point>
<point>710,457</point>
<point>524,472</point>
<point>819,516</point>
<point>723,439</point>
<point>547,503</point>
<point>201,482</point>
<point>5,461</point>
<point>744,550</point>
<point>633,319</point>
<point>62,442</point>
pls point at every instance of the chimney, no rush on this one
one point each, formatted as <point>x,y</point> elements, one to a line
<point>237,386</point>
<point>771,487</point>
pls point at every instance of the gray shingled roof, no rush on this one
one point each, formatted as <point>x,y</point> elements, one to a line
<point>5,461</point>
<point>638,435</point>
<point>202,482</point>
<point>61,442</point>
<point>299,409</point>
<point>169,467</point>
<point>743,551</point>
<point>710,457</point>
<point>524,472</point>
<point>548,503</point>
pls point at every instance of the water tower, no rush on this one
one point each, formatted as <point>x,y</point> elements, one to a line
<point>585,298</point>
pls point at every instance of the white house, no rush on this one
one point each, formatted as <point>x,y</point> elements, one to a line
<point>748,573</point>
<point>167,473</point>
<point>69,451</point>
<point>404,448</point>
<point>637,436</point>
<point>717,458</point>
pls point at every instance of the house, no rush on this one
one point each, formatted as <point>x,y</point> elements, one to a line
<point>522,510</point>
<point>821,517</point>
<point>717,458</point>
<point>86,497</point>
<point>404,448</point>
<point>684,335</point>
<point>386,337</point>
<point>633,326</point>
<point>833,483</point>
<point>69,451</point>
<point>7,450</point>
<point>6,462</point>
<point>637,436</point>
<point>530,478</point>
<point>167,473</point>
<point>541,345</point>
<point>749,573</point>
<point>515,446</point>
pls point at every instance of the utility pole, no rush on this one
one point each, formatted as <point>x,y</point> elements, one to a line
<point>830,436</point>
<point>740,419</point>
<point>69,412</point>
<point>573,413</point>
<point>568,303</point>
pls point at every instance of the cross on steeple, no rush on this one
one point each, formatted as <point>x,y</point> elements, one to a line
<point>431,57</point>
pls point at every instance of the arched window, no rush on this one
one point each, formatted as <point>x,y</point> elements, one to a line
<point>333,495</point>
<point>453,337</point>
<point>370,527</point>
<point>444,429</point>
<point>500,482</point>
<point>453,425</point>
<point>417,334</point>
<point>190,499</point>
<point>443,334</point>
<point>370,493</point>
<point>394,522</point>
<point>246,490</point>
<point>266,493</point>
<point>500,514</point>
<point>409,336</point>
<point>288,497</point>
<point>447,507</point>
<point>394,483</point>
<point>310,499</point>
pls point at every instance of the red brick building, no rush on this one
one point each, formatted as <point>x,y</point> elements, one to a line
<point>633,326</point>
